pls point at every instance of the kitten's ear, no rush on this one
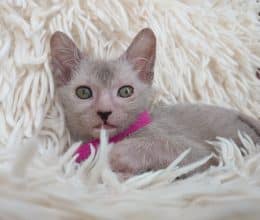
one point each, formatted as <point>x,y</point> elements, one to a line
<point>141,54</point>
<point>64,57</point>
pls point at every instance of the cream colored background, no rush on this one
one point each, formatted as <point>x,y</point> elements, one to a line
<point>207,51</point>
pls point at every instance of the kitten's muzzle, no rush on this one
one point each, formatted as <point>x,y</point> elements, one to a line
<point>105,126</point>
<point>104,115</point>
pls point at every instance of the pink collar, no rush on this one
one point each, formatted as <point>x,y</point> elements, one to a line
<point>142,120</point>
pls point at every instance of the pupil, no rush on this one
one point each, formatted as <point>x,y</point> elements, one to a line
<point>84,92</point>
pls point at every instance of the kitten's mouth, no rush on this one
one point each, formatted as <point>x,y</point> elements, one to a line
<point>105,126</point>
<point>109,128</point>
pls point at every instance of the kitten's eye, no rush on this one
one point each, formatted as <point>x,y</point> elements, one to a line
<point>125,91</point>
<point>84,92</point>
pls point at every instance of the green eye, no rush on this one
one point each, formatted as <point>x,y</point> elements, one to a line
<point>125,91</point>
<point>84,92</point>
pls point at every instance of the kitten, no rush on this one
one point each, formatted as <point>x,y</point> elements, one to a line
<point>111,93</point>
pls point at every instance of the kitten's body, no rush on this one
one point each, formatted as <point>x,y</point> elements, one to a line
<point>174,128</point>
<point>177,128</point>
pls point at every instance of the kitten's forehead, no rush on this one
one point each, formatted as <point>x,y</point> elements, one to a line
<point>105,72</point>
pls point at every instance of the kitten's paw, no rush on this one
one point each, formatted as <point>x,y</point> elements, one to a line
<point>124,176</point>
<point>124,160</point>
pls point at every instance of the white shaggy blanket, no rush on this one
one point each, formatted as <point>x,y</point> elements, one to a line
<point>208,51</point>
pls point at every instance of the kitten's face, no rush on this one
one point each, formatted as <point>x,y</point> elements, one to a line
<point>98,93</point>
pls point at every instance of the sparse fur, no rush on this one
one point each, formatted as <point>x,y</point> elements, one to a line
<point>173,129</point>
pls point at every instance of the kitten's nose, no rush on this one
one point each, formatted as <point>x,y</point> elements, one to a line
<point>104,115</point>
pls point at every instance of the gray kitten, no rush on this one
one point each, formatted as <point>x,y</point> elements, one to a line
<point>111,93</point>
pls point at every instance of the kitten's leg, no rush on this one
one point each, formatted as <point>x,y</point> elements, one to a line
<point>137,155</point>
<point>239,123</point>
<point>253,127</point>
<point>134,155</point>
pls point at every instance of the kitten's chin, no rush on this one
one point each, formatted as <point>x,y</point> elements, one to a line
<point>110,132</point>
